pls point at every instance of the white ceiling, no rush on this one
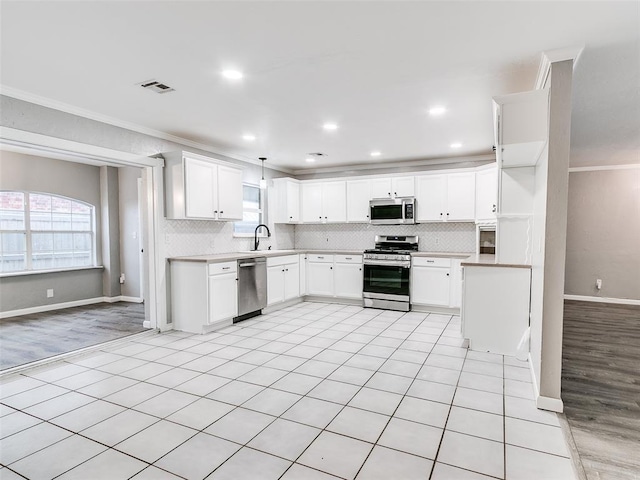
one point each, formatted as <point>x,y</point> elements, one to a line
<point>374,68</point>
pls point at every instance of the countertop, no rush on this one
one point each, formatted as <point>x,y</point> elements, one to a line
<point>231,256</point>
<point>485,260</point>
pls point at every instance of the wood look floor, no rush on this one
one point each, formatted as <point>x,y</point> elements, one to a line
<point>33,337</point>
<point>601,387</point>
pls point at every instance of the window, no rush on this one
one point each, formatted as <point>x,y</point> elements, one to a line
<point>252,206</point>
<point>39,231</point>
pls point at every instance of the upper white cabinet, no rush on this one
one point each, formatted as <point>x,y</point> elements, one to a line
<point>287,192</point>
<point>446,197</point>
<point>358,196</point>
<point>324,202</point>
<point>391,187</point>
<point>521,127</point>
<point>196,187</point>
<point>486,193</point>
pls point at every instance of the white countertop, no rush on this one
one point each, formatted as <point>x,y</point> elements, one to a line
<point>485,260</point>
<point>231,256</point>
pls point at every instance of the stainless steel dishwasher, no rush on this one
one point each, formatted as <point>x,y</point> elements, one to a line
<point>252,287</point>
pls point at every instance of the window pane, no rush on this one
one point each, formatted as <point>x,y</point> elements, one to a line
<point>81,222</point>
<point>39,202</point>
<point>13,262</point>
<point>245,227</point>
<point>60,205</point>
<point>63,242</point>
<point>40,220</point>
<point>42,242</point>
<point>14,242</point>
<point>82,259</point>
<point>11,210</point>
<point>82,242</point>
<point>62,260</point>
<point>80,208</point>
<point>42,260</point>
<point>60,221</point>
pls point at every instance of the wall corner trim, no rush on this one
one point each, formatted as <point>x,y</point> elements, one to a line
<point>587,298</point>
<point>543,403</point>
<point>552,56</point>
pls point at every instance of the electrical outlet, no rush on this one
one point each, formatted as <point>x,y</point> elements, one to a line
<point>437,241</point>
<point>49,292</point>
<point>122,278</point>
<point>599,284</point>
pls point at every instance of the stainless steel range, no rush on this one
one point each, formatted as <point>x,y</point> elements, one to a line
<point>387,272</point>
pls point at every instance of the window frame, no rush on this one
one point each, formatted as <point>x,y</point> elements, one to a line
<point>28,232</point>
<point>261,211</point>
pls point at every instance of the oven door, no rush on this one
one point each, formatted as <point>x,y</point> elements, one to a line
<point>383,280</point>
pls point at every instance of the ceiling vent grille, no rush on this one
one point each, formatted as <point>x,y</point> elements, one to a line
<point>156,86</point>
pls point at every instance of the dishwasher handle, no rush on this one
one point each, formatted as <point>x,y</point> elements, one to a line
<point>253,264</point>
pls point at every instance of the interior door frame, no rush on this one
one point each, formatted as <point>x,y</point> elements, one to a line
<point>152,172</point>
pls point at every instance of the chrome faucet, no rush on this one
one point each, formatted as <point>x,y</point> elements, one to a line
<point>256,240</point>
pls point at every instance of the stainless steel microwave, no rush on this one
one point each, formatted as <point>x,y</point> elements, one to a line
<point>392,211</point>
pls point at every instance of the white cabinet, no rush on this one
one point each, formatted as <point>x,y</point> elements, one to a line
<point>223,300</point>
<point>202,295</point>
<point>455,289</point>
<point>283,278</point>
<point>358,196</point>
<point>348,276</point>
<point>324,202</point>
<point>486,193</point>
<point>495,307</point>
<point>431,282</point>
<point>445,197</point>
<point>200,188</point>
<point>320,275</point>
<point>334,275</point>
<point>287,194</point>
<point>392,187</point>
<point>521,127</point>
<point>303,274</point>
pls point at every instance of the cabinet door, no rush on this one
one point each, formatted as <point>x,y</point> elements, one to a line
<point>312,202</point>
<point>381,188</point>
<point>486,194</point>
<point>334,201</point>
<point>455,299</point>
<point>348,280</point>
<point>200,181</point>
<point>292,202</point>
<point>430,197</point>
<point>223,297</point>
<point>303,274</point>
<point>275,284</point>
<point>291,281</point>
<point>320,279</point>
<point>229,193</point>
<point>403,186</point>
<point>358,196</point>
<point>430,286</point>
<point>461,196</point>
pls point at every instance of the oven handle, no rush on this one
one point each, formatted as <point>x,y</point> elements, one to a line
<point>387,263</point>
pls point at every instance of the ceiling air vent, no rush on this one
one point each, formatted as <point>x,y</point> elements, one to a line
<point>156,86</point>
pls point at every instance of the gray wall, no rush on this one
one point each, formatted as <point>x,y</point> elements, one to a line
<point>31,173</point>
<point>129,230</point>
<point>109,197</point>
<point>603,239</point>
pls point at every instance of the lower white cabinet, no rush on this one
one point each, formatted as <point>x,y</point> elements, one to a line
<point>334,275</point>
<point>283,278</point>
<point>202,294</point>
<point>320,275</point>
<point>348,276</point>
<point>436,281</point>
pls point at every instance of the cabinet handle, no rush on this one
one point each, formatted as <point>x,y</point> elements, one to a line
<point>447,214</point>
<point>223,212</point>
<point>290,218</point>
<point>330,268</point>
<point>367,216</point>
<point>226,268</point>
<point>320,258</point>
<point>325,218</point>
<point>215,211</point>
<point>440,213</point>
<point>360,269</point>
<point>348,258</point>
<point>430,261</point>
<point>286,269</point>
<point>320,217</point>
<point>493,208</point>
<point>395,194</point>
<point>389,193</point>
<point>447,274</point>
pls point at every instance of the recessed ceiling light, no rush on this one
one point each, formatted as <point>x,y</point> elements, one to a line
<point>456,145</point>
<point>437,110</point>
<point>375,154</point>
<point>330,126</point>
<point>232,74</point>
<point>310,160</point>
<point>248,137</point>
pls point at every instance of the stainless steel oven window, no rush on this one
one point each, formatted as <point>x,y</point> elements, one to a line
<point>391,280</point>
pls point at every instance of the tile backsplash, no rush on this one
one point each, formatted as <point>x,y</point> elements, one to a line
<point>192,237</point>
<point>432,237</point>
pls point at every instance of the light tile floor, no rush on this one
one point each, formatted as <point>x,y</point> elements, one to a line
<point>313,391</point>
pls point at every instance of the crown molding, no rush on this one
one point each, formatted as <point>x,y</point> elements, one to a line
<point>491,157</point>
<point>81,112</point>
<point>597,168</point>
<point>553,56</point>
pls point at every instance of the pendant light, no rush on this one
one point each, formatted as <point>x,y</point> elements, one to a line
<point>263,182</point>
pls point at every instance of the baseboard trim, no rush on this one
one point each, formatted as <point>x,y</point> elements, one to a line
<point>75,303</point>
<point>586,298</point>
<point>543,403</point>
